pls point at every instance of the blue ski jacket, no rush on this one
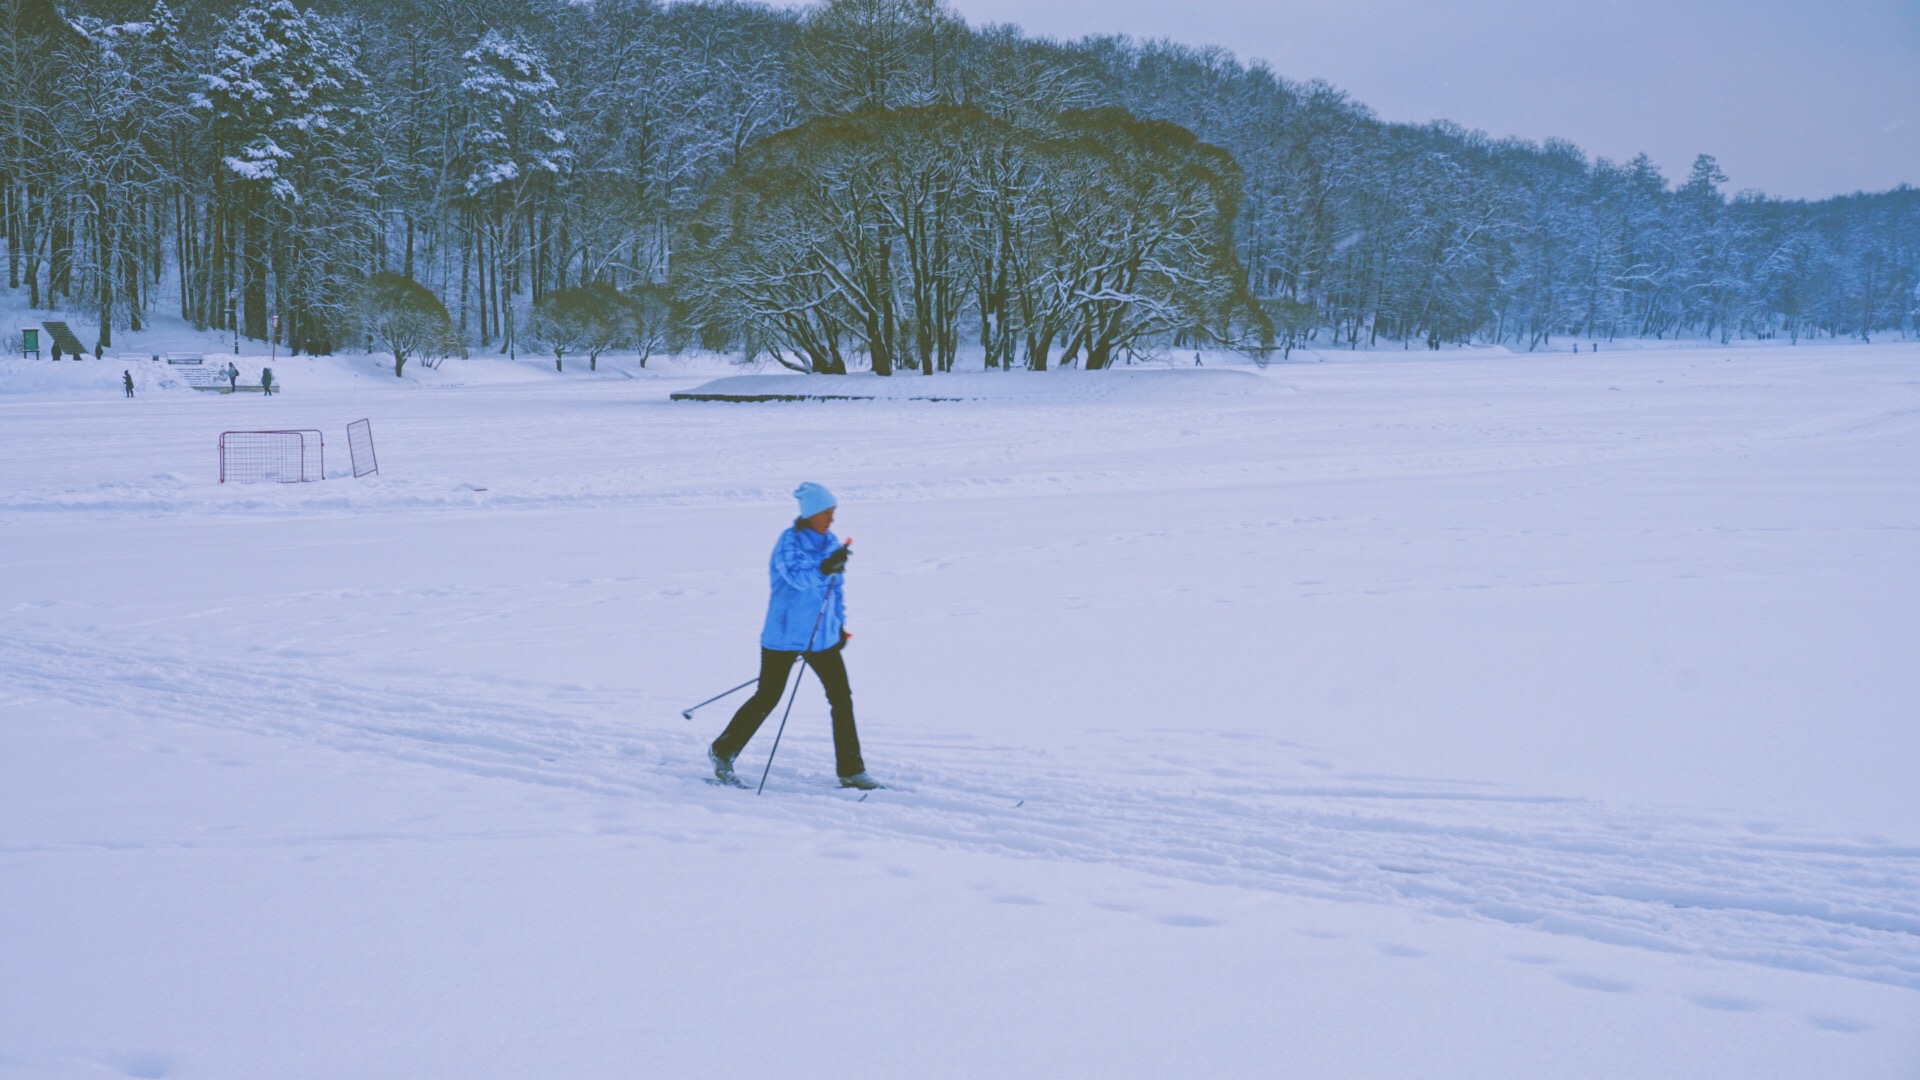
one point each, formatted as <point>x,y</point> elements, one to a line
<point>799,588</point>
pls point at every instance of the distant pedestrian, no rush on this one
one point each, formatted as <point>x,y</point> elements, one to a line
<point>56,348</point>
<point>1596,347</point>
<point>127,377</point>
<point>233,377</point>
<point>1196,359</point>
<point>266,381</point>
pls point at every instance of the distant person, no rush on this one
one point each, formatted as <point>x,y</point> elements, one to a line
<point>266,381</point>
<point>56,348</point>
<point>1196,359</point>
<point>127,377</point>
<point>233,377</point>
<point>1596,347</point>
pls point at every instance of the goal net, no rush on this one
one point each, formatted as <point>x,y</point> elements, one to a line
<point>360,445</point>
<point>285,457</point>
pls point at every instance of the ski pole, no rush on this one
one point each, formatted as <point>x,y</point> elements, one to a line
<point>688,712</point>
<point>831,582</point>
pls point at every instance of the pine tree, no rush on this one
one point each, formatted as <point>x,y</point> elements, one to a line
<point>284,98</point>
<point>514,153</point>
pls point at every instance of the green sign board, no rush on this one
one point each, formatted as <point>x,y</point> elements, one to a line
<point>30,341</point>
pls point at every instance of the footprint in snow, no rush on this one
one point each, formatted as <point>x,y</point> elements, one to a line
<point>1595,982</point>
<point>1840,1024</point>
<point>1187,921</point>
<point>144,1066</point>
<point>1724,1002</point>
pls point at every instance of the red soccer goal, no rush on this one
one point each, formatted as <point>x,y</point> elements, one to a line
<point>285,457</point>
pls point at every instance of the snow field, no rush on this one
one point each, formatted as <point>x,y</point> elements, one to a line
<point>1463,717</point>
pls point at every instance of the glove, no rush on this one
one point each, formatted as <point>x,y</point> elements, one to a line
<point>837,561</point>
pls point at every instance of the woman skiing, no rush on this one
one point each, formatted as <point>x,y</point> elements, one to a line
<point>806,618</point>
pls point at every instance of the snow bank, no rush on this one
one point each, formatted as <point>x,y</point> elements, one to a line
<point>1121,384</point>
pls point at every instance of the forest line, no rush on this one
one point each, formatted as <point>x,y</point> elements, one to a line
<point>867,182</point>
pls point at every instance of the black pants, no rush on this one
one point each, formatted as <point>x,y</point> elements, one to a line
<point>774,669</point>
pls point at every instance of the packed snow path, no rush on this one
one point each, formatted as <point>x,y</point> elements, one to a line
<point>1680,883</point>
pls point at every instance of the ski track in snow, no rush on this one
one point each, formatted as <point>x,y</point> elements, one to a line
<point>1173,803</point>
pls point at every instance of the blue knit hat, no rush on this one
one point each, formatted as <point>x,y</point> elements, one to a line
<point>813,499</point>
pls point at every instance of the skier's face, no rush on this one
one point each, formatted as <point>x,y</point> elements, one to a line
<point>819,522</point>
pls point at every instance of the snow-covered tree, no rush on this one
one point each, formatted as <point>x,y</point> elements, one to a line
<point>493,152</point>
<point>514,153</point>
<point>878,54</point>
<point>404,317</point>
<point>118,103</point>
<point>590,319</point>
<point>284,97</point>
<point>867,231</point>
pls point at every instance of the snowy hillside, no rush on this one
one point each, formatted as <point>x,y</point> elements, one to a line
<point>1466,715</point>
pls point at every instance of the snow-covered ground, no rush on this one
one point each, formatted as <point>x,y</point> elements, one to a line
<point>1399,715</point>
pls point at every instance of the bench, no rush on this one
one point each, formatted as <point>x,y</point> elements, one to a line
<point>204,379</point>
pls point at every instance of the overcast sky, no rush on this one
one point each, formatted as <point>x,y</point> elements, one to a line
<point>1799,98</point>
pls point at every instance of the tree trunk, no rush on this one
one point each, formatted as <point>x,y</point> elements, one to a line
<point>30,268</point>
<point>59,262</point>
<point>466,280</point>
<point>253,296</point>
<point>131,262</point>
<point>480,271</point>
<point>15,233</point>
<point>104,257</point>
